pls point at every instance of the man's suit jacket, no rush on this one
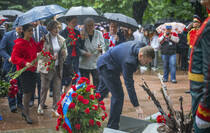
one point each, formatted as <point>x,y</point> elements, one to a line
<point>6,48</point>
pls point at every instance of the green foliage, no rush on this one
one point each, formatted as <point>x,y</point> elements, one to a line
<point>4,88</point>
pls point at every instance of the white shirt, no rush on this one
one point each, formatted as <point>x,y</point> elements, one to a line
<point>56,46</point>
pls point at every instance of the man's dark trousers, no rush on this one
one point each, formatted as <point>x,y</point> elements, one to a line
<point>110,81</point>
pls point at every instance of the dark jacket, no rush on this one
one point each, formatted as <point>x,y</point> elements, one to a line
<point>6,48</point>
<point>79,43</point>
<point>123,58</point>
<point>42,30</point>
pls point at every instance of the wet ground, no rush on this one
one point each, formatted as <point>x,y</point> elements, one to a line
<point>12,122</point>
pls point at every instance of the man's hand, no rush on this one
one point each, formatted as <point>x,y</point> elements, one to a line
<point>10,61</point>
<point>189,26</point>
<point>29,65</point>
<point>201,123</point>
<point>139,112</point>
<point>87,54</point>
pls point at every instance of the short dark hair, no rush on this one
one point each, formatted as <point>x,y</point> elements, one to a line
<point>68,19</point>
<point>148,51</point>
<point>25,27</point>
<point>52,24</point>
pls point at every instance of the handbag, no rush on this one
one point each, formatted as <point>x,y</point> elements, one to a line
<point>68,70</point>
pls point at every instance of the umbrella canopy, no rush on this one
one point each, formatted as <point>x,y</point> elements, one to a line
<point>81,13</point>
<point>166,20</point>
<point>38,13</point>
<point>2,19</point>
<point>176,27</point>
<point>122,20</point>
<point>11,14</point>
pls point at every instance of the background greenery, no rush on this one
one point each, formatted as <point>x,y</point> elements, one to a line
<point>144,11</point>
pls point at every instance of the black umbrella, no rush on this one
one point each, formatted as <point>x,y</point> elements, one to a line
<point>11,14</point>
<point>122,20</point>
<point>165,20</point>
<point>81,13</point>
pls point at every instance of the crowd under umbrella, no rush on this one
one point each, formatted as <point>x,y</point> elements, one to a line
<point>38,13</point>
<point>81,13</point>
<point>2,19</point>
<point>122,20</point>
<point>11,14</point>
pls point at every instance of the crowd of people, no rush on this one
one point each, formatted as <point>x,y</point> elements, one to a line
<point>90,54</point>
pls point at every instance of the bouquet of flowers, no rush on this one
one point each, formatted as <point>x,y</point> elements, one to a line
<point>10,89</point>
<point>14,75</point>
<point>79,109</point>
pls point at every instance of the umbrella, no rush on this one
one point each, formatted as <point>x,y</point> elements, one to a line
<point>81,13</point>
<point>11,14</point>
<point>149,27</point>
<point>122,20</point>
<point>176,27</point>
<point>165,20</point>
<point>38,13</point>
<point>2,19</point>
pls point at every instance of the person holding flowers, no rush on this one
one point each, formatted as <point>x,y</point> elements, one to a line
<point>24,52</point>
<point>53,44</point>
<point>91,51</point>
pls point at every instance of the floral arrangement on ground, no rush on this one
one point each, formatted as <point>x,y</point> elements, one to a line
<point>79,109</point>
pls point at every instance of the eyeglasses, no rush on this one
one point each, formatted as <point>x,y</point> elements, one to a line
<point>196,22</point>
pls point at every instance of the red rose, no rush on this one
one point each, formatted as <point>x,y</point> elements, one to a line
<point>11,88</point>
<point>80,98</point>
<point>159,119</point>
<point>13,81</point>
<point>47,69</point>
<point>88,82</point>
<point>65,126</point>
<point>49,63</point>
<point>169,115</point>
<point>105,114</point>
<point>87,89</point>
<point>103,118</point>
<point>45,64</point>
<point>103,107</point>
<point>15,86</point>
<point>63,95</point>
<point>72,105</point>
<point>91,122</point>
<point>59,121</point>
<point>92,97</point>
<point>101,102</point>
<point>59,109</point>
<point>59,103</point>
<point>97,96</point>
<point>74,87</point>
<point>57,128</point>
<point>95,107</point>
<point>76,76</point>
<point>73,94</point>
<point>87,111</point>
<point>85,101</point>
<point>80,81</point>
<point>83,79</point>
<point>91,86</point>
<point>98,123</point>
<point>77,126</point>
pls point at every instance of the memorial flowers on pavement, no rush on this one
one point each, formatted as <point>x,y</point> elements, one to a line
<point>79,109</point>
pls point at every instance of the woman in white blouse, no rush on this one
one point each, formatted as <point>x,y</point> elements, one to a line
<point>53,44</point>
<point>94,42</point>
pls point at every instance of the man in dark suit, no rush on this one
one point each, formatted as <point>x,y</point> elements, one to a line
<point>6,48</point>
<point>123,58</point>
<point>38,32</point>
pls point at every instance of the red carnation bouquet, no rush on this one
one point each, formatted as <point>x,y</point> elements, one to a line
<point>84,112</point>
<point>10,89</point>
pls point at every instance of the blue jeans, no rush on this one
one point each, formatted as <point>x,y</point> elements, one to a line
<point>110,81</point>
<point>169,64</point>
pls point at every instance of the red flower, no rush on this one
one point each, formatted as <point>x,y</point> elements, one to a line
<point>63,95</point>
<point>87,111</point>
<point>79,36</point>
<point>91,122</point>
<point>57,127</point>
<point>59,110</point>
<point>159,119</point>
<point>77,126</point>
<point>76,76</point>
<point>80,98</point>
<point>105,114</point>
<point>102,103</point>
<point>13,81</point>
<point>85,101</point>
<point>111,44</point>
<point>59,121</point>
<point>45,64</point>
<point>95,107</point>
<point>48,69</point>
<point>87,89</point>
<point>15,86</point>
<point>103,118</point>
<point>98,123</point>
<point>91,86</point>
<point>92,97</point>
<point>59,103</point>
<point>80,81</point>
<point>65,126</point>
<point>97,96</point>
<point>11,94</point>
<point>88,81</point>
<point>103,107</point>
<point>49,63</point>
<point>74,87</point>
<point>73,94</point>
<point>11,88</point>
<point>72,105</point>
<point>16,90</point>
<point>169,115</point>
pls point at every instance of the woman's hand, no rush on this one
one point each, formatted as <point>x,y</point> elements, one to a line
<point>55,57</point>
<point>28,65</point>
<point>99,48</point>
<point>139,112</point>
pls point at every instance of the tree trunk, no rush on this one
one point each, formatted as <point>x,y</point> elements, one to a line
<point>138,10</point>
